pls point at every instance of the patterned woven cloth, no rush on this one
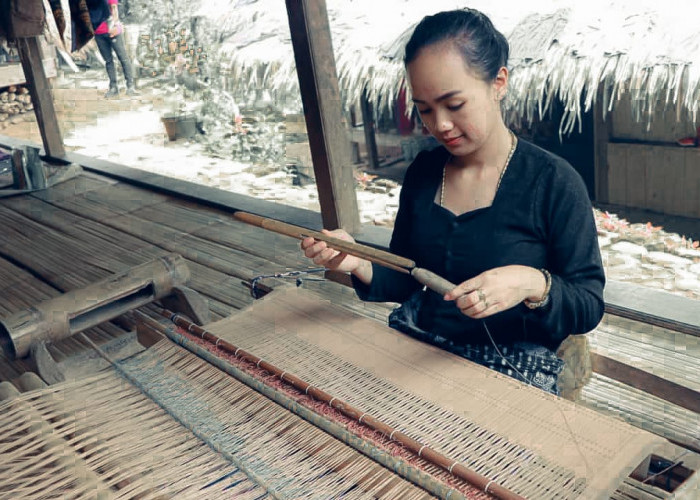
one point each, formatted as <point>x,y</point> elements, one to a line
<point>530,363</point>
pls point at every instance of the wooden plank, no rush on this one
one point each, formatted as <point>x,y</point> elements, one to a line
<point>369,126</point>
<point>652,306</point>
<point>656,193</point>
<point>637,159</point>
<point>42,99</point>
<point>13,74</point>
<point>328,141</point>
<point>617,173</point>
<point>691,197</point>
<point>601,136</point>
<point>673,166</point>
<point>647,382</point>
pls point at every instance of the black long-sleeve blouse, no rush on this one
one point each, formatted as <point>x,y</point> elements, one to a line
<point>541,217</point>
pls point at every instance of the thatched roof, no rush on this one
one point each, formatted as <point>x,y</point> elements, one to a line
<point>564,48</point>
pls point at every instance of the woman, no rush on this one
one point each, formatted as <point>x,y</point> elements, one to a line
<point>509,222</point>
<point>104,15</point>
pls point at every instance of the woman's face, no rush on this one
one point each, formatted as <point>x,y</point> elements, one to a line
<point>460,109</point>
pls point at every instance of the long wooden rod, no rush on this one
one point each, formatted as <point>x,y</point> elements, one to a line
<point>421,450</point>
<point>386,259</point>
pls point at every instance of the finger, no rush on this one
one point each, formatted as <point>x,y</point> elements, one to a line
<point>337,260</point>
<point>324,256</point>
<point>315,249</point>
<point>488,311</point>
<point>467,301</point>
<point>307,242</point>
<point>464,288</point>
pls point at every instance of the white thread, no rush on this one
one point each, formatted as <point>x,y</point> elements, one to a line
<point>217,342</point>
<point>486,490</point>
<point>451,466</point>
<point>203,332</point>
<point>258,363</point>
<point>421,450</point>
<point>282,376</point>
<point>307,390</point>
<point>236,353</point>
<point>189,328</point>
<point>391,436</point>
<point>361,417</point>
<point>330,403</point>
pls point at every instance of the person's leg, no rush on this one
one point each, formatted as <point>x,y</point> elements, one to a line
<point>104,44</point>
<point>120,50</point>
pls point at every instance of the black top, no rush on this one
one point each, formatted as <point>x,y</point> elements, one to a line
<point>541,217</point>
<point>99,12</point>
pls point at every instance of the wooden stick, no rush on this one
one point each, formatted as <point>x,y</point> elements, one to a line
<point>423,451</point>
<point>385,259</point>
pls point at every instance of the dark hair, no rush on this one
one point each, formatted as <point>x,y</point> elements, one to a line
<point>483,47</point>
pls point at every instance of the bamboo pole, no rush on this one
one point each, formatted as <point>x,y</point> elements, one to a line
<point>421,450</point>
<point>386,259</point>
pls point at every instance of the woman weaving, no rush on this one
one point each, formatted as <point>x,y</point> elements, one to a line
<point>508,221</point>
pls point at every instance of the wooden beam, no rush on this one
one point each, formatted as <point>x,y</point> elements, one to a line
<point>12,74</point>
<point>369,126</point>
<point>601,137</point>
<point>647,382</point>
<point>42,99</point>
<point>653,307</point>
<point>320,95</point>
<point>356,157</point>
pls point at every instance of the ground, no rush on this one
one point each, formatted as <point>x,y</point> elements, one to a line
<point>129,130</point>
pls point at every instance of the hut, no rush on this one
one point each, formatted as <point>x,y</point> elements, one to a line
<point>612,86</point>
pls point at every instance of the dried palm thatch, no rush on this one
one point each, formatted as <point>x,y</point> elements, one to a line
<point>559,49</point>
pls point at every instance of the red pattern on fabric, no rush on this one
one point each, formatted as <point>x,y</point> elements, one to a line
<point>366,433</point>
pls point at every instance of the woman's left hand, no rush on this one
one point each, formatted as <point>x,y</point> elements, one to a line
<point>497,289</point>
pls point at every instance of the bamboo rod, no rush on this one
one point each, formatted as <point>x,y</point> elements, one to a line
<point>385,259</point>
<point>421,450</point>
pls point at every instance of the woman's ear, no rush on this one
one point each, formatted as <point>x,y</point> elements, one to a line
<point>500,84</point>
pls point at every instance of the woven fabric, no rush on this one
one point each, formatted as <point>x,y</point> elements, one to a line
<point>530,363</point>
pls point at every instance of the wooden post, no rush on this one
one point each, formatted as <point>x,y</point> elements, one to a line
<point>356,157</point>
<point>320,95</point>
<point>369,126</point>
<point>601,138</point>
<point>42,99</point>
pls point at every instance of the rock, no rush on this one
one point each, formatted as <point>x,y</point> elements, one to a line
<point>687,284</point>
<point>667,259</point>
<point>604,241</point>
<point>691,253</point>
<point>627,248</point>
<point>388,183</point>
<point>621,259</point>
<point>655,246</point>
<point>657,272</point>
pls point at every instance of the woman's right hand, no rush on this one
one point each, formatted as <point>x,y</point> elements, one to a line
<point>331,259</point>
